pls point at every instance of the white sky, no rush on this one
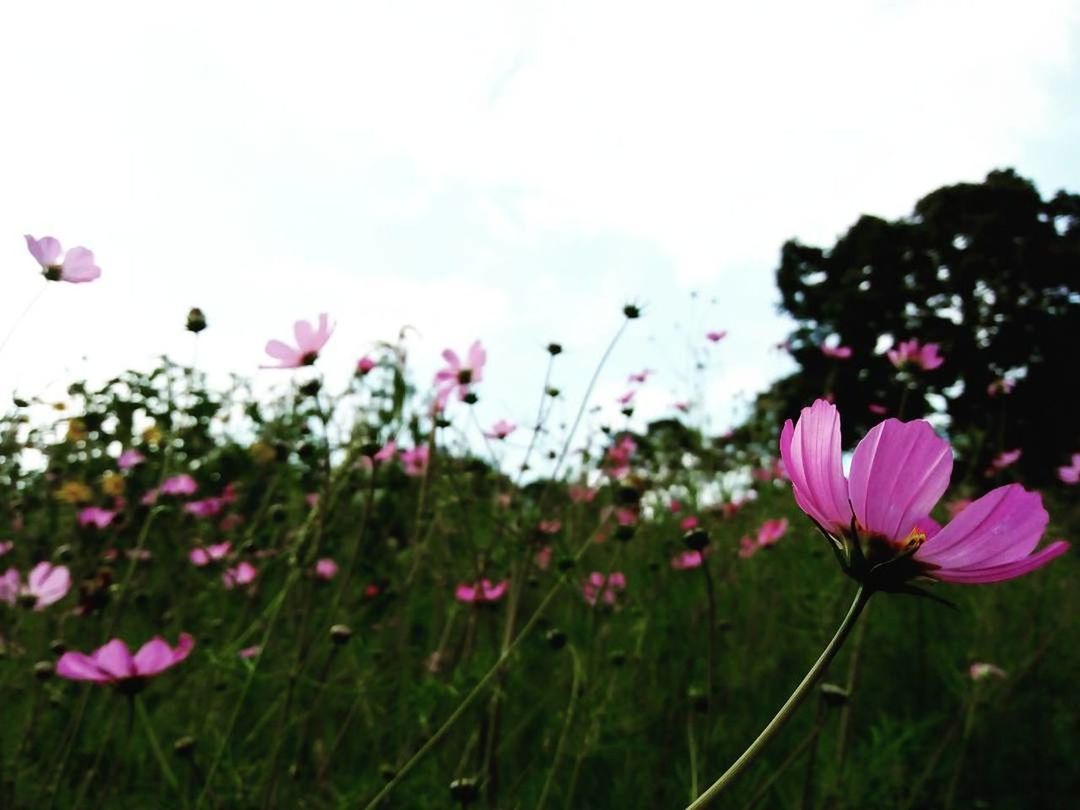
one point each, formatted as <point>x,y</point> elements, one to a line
<point>512,171</point>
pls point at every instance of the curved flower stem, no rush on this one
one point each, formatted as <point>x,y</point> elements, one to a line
<point>862,596</point>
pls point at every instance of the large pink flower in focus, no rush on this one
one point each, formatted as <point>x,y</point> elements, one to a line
<point>114,664</point>
<point>910,354</point>
<point>458,375</point>
<point>77,267</point>
<point>878,519</point>
<point>309,342</point>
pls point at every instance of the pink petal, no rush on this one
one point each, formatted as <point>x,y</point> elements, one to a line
<point>76,666</point>
<point>289,356</point>
<point>79,266</point>
<point>999,573</point>
<point>115,660</point>
<point>48,583</point>
<point>46,250</point>
<point>324,331</point>
<point>1001,527</point>
<point>305,336</point>
<point>811,455</point>
<point>153,657</point>
<point>9,586</point>
<point>899,471</point>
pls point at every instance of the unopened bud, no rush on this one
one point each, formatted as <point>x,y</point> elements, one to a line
<point>340,633</point>
<point>554,349</point>
<point>464,790</point>
<point>196,321</point>
<point>833,695</point>
<point>43,670</point>
<point>556,638</point>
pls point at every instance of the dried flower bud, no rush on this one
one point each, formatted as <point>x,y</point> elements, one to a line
<point>196,321</point>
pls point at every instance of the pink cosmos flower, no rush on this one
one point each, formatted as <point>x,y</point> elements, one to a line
<point>716,336</point>
<point>1070,474</point>
<point>581,494</point>
<point>543,558</point>
<point>182,484</point>
<point>910,354</point>
<point>6,546</point>
<point>624,399</point>
<point>95,516</point>
<point>501,429</point>
<point>77,267</point>
<point>388,451</point>
<point>481,592</point>
<point>836,352</point>
<point>771,531</point>
<point>675,506</point>
<point>415,461</point>
<point>980,671</point>
<point>130,458</point>
<point>364,366</point>
<point>877,409</point>
<point>207,507</point>
<point>682,407</point>
<point>686,560</point>
<point>625,516</point>
<point>45,584</point>
<point>309,342</point>
<point>598,589</point>
<point>250,652</point>
<point>878,520</point>
<point>549,526</point>
<point>114,664</point>
<point>956,506</point>
<point>242,574</point>
<point>201,556</point>
<point>457,375</point>
<point>326,569</point>
<point>1003,460</point>
<point>140,554</point>
<point>748,547</point>
<point>689,522</point>
<point>618,456</point>
<point>641,376</point>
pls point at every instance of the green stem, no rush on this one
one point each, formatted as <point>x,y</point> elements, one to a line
<point>144,718</point>
<point>862,596</point>
<point>575,686</point>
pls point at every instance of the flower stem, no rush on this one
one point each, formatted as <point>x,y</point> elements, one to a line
<point>148,727</point>
<point>862,596</point>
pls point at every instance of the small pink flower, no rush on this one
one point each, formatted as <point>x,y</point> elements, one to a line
<point>687,560</point>
<point>312,499</point>
<point>980,671</point>
<point>115,665</point>
<point>689,522</point>
<point>624,399</point>
<point>748,547</point>
<point>182,484</point>
<point>309,342</point>
<point>581,494</point>
<point>877,409</point>
<point>501,429</point>
<point>242,574</point>
<point>836,352</point>
<point>326,569</point>
<point>457,375</point>
<point>130,458</point>
<point>250,652</point>
<point>204,556</point>
<point>6,546</point>
<point>95,516</point>
<point>625,516</point>
<point>618,456</point>
<point>549,526</point>
<point>716,336</point>
<point>77,267</point>
<point>45,584</point>
<point>899,471</point>
<point>1070,474</point>
<point>641,376</point>
<point>483,592</point>
<point>387,452</point>
<point>1003,460</point>
<point>543,558</point>
<point>364,366</point>
<point>910,354</point>
<point>597,588</point>
<point>415,461</point>
<point>771,531</point>
<point>682,407</point>
<point>207,507</point>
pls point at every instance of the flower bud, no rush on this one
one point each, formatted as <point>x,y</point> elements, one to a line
<point>464,791</point>
<point>631,311</point>
<point>470,398</point>
<point>696,539</point>
<point>184,747</point>
<point>43,670</point>
<point>699,701</point>
<point>833,695</point>
<point>556,638</point>
<point>196,321</point>
<point>554,349</point>
<point>340,633</point>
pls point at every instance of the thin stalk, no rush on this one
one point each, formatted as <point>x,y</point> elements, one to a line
<point>786,711</point>
<point>854,667</point>
<point>575,685</point>
<point>148,727</point>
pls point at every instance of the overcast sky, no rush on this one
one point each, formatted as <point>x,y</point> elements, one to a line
<point>510,171</point>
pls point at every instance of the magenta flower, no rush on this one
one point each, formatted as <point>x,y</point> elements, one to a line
<point>309,342</point>
<point>877,409</point>
<point>77,267</point>
<point>201,556</point>
<point>689,522</point>
<point>483,592</point>
<point>624,399</point>
<point>457,375</point>
<point>618,456</point>
<point>549,526</point>
<point>182,484</point>
<point>543,558</point>
<point>45,584</point>
<point>326,569</point>
<point>242,574</point>
<point>682,407</point>
<point>501,429</point>
<point>600,589</point>
<point>364,366</point>
<point>686,560</point>
<point>415,461</point>
<point>878,519</point>
<point>581,494</point>
<point>910,354</point>
<point>641,376</point>
<point>95,516</point>
<point>1070,474</point>
<point>207,507</point>
<point>130,458</point>
<point>716,335</point>
<point>114,664</point>
<point>1003,460</point>
<point>771,531</point>
<point>836,352</point>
